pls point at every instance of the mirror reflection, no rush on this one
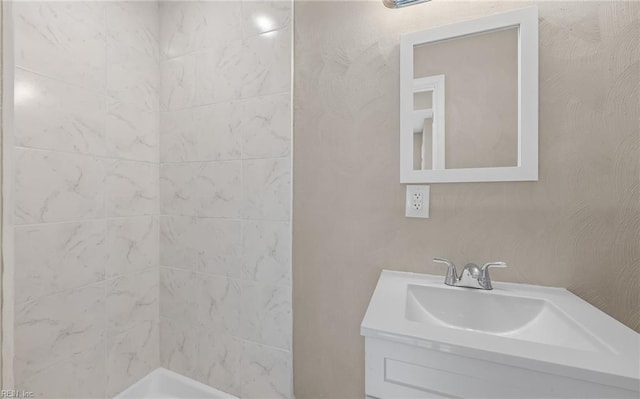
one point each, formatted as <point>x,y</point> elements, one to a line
<point>480,101</point>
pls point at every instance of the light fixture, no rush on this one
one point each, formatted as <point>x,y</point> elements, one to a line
<point>401,3</point>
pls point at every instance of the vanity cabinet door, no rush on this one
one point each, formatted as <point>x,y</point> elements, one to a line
<point>394,370</point>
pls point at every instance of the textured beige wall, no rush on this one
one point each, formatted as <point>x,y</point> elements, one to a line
<point>577,227</point>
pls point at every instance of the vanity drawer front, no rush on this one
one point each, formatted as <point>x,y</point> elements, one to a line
<point>396,370</point>
<point>433,381</point>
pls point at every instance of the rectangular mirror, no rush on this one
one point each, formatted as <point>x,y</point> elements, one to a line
<point>469,101</point>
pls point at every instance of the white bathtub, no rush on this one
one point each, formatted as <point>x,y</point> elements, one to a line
<point>164,384</point>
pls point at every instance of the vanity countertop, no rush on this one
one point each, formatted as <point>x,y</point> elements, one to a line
<point>612,359</point>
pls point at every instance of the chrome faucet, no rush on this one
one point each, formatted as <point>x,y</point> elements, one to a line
<point>472,276</point>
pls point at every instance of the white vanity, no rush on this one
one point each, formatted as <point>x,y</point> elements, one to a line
<point>424,339</point>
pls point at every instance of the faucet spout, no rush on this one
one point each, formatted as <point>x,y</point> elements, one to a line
<point>471,276</point>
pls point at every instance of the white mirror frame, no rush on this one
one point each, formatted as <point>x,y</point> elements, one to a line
<point>526,20</point>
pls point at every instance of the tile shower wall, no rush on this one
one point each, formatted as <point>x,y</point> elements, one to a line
<point>225,181</point>
<point>86,222</point>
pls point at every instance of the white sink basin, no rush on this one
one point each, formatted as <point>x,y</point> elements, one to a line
<point>530,319</point>
<point>538,328</point>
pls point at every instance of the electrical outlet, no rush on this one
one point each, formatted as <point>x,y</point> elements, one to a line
<point>417,203</point>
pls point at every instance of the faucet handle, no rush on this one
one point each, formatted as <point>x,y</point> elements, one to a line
<point>452,274</point>
<point>485,279</point>
<point>493,264</point>
<point>444,261</point>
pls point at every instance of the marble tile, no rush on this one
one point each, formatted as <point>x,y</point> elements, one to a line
<point>132,245</point>
<point>218,361</point>
<point>53,115</point>
<point>192,26</point>
<point>131,188</point>
<point>201,244</point>
<point>207,133</point>
<point>132,299</point>
<point>88,13</point>
<point>178,82</point>
<point>266,314</point>
<point>131,354</point>
<point>177,248</point>
<point>259,65</point>
<point>220,189</point>
<point>266,252</point>
<point>266,64</point>
<point>52,328</point>
<point>133,79</point>
<point>218,72</point>
<point>53,187</point>
<point>230,70</point>
<point>266,126</point>
<point>68,255</point>
<point>131,133</point>
<point>267,189</point>
<point>178,191</point>
<point>180,348</point>
<point>205,77</point>
<point>208,189</point>
<point>219,304</point>
<point>80,376</point>
<point>265,372</point>
<point>265,16</point>
<point>179,294</point>
<point>46,38</point>
<point>134,26</point>
<point>211,358</point>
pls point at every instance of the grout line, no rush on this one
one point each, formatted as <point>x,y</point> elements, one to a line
<point>158,131</point>
<point>151,215</point>
<point>101,92</point>
<point>203,327</point>
<point>92,220</point>
<point>231,219</point>
<point>291,198</point>
<point>242,38</point>
<point>7,317</point>
<point>284,157</point>
<point>238,279</point>
<point>82,154</point>
<point>81,287</point>
<point>225,102</point>
<point>105,381</point>
<point>242,295</point>
<point>92,89</point>
<point>113,158</point>
<point>261,344</point>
